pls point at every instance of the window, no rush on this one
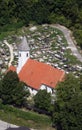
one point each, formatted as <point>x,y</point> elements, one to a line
<point>27,54</point>
<point>19,54</point>
<point>52,91</point>
<point>32,89</point>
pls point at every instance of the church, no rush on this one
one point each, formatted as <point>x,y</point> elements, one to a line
<point>37,75</point>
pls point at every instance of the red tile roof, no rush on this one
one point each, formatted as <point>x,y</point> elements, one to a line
<point>35,73</point>
<point>12,68</point>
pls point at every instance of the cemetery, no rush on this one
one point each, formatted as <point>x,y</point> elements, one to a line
<point>47,44</point>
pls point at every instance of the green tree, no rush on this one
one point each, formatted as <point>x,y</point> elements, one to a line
<point>42,100</point>
<point>12,90</point>
<point>4,18</point>
<point>7,8</point>
<point>68,106</point>
<point>20,94</point>
<point>40,12</point>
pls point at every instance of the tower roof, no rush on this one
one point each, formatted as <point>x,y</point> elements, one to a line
<point>23,46</point>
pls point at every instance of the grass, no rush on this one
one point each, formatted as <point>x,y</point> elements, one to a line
<point>8,30</point>
<point>72,59</point>
<point>25,118</point>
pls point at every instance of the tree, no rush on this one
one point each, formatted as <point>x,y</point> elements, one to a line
<point>68,106</point>
<point>12,90</point>
<point>0,87</point>
<point>20,94</point>
<point>42,100</point>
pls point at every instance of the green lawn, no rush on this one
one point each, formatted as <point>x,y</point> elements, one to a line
<point>25,118</point>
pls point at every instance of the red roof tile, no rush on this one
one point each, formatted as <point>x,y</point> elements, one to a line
<point>12,68</point>
<point>35,73</point>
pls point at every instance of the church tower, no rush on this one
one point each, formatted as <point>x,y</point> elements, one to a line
<point>23,53</point>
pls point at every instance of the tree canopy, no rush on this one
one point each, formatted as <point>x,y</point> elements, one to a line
<point>68,106</point>
<point>12,90</point>
<point>13,10</point>
<point>42,100</point>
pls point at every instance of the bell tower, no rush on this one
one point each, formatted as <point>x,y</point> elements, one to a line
<point>23,53</point>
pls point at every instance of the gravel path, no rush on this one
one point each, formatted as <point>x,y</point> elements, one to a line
<point>71,45</point>
<point>11,52</point>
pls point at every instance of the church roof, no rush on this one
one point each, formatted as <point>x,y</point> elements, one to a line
<point>35,73</point>
<point>23,46</point>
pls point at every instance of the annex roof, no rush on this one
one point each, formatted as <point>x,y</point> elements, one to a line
<point>23,46</point>
<point>13,68</point>
<point>35,73</point>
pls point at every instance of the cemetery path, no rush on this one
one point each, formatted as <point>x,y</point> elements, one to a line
<point>71,43</point>
<point>11,52</point>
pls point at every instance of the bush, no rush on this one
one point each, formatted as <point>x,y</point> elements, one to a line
<point>78,35</point>
<point>11,27</point>
<point>59,19</point>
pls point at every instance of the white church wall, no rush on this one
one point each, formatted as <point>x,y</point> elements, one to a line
<point>23,56</point>
<point>32,91</point>
<point>49,90</point>
<point>46,87</point>
<point>43,87</point>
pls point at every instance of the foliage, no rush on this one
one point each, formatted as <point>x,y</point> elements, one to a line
<point>24,118</point>
<point>59,19</point>
<point>66,12</point>
<point>0,87</point>
<point>78,35</point>
<point>9,29</point>
<point>68,107</point>
<point>12,90</point>
<point>42,100</point>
